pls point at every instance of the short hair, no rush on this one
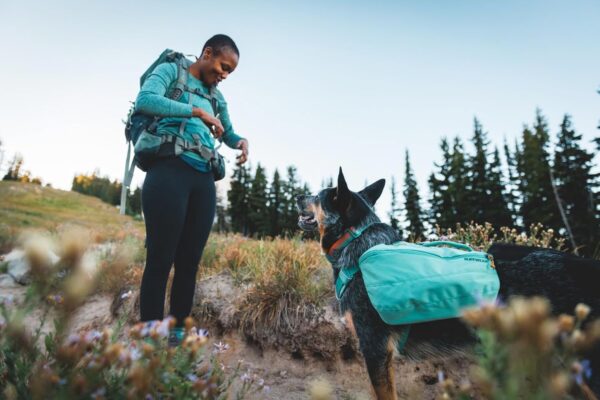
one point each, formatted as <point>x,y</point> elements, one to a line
<point>219,42</point>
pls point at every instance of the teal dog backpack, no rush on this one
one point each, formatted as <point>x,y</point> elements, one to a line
<point>409,283</point>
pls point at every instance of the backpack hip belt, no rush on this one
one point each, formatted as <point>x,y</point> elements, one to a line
<point>180,145</point>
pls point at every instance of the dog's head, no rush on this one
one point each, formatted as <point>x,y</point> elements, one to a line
<point>333,210</point>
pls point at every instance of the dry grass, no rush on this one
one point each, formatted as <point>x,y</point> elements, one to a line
<point>73,221</point>
<point>287,280</point>
<point>27,207</point>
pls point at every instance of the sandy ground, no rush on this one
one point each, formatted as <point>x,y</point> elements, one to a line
<point>286,374</point>
<point>290,378</point>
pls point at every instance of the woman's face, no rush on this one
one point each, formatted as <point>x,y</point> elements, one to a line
<point>216,67</point>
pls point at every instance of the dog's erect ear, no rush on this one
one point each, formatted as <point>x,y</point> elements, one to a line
<point>343,194</point>
<point>372,192</point>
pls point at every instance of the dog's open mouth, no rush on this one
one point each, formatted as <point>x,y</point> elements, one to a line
<point>307,222</point>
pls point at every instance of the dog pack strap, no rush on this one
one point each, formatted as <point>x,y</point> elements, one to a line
<point>401,343</point>
<point>345,275</point>
<point>459,246</point>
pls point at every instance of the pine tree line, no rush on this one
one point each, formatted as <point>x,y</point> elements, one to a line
<point>535,185</point>
<point>521,185</point>
<point>107,191</point>
<point>261,208</point>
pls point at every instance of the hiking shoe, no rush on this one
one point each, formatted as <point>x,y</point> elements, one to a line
<point>176,336</point>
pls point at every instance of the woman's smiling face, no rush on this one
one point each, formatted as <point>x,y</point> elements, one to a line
<point>216,66</point>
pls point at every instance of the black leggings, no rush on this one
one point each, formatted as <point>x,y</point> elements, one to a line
<point>179,210</point>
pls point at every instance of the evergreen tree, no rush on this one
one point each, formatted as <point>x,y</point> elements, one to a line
<point>395,209</point>
<point>512,196</point>
<point>134,202</point>
<point>497,212</point>
<point>329,183</point>
<point>238,196</point>
<point>414,214</point>
<point>457,184</point>
<point>101,187</point>
<point>258,222</point>
<point>276,199</point>
<point>575,184</point>
<point>441,210</point>
<point>221,224</point>
<point>478,190</point>
<point>538,203</point>
<point>291,188</point>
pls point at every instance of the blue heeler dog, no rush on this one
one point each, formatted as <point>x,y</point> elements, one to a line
<point>564,279</point>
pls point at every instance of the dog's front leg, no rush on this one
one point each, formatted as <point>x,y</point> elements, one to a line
<point>377,347</point>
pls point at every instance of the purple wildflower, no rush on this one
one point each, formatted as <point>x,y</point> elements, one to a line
<point>135,353</point>
<point>162,328</point>
<point>441,377</point>
<point>73,339</point>
<point>101,392</point>
<point>92,336</point>
<point>585,372</point>
<point>202,332</point>
<point>221,347</point>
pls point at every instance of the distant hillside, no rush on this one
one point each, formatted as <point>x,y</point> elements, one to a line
<point>25,206</point>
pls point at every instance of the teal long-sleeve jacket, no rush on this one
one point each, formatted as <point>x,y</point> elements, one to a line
<point>151,100</point>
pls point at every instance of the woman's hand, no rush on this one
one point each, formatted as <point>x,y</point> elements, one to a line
<point>213,123</point>
<point>242,145</point>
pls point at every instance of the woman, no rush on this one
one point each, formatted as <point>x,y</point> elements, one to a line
<point>178,196</point>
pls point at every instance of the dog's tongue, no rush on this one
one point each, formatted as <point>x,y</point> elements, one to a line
<point>307,218</point>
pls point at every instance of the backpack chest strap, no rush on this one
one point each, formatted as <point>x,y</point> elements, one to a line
<point>344,278</point>
<point>346,273</point>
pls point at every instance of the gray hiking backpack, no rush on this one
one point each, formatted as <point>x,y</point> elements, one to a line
<point>140,129</point>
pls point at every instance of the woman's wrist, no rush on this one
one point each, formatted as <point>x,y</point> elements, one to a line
<point>198,112</point>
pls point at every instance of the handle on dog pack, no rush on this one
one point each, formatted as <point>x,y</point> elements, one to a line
<point>459,246</point>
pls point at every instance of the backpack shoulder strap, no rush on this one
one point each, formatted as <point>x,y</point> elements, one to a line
<point>180,85</point>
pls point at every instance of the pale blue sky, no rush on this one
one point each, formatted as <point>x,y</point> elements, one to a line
<point>319,84</point>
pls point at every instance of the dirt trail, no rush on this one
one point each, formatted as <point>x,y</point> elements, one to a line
<point>286,371</point>
<point>290,378</point>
